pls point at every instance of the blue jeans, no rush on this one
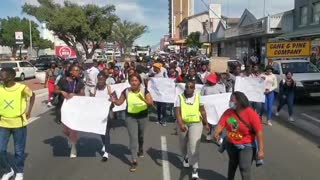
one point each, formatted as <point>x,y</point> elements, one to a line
<point>289,100</point>
<point>20,138</point>
<point>267,106</point>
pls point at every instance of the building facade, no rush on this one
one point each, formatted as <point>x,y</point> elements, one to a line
<point>193,24</point>
<point>250,36</point>
<point>178,10</point>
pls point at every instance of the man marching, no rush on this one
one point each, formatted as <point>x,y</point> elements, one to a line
<point>189,113</point>
<point>13,121</point>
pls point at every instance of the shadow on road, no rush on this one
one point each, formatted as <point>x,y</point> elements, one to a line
<point>175,159</point>
<point>87,147</point>
<point>120,151</point>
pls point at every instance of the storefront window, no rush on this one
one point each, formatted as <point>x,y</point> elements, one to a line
<point>303,15</point>
<point>316,12</point>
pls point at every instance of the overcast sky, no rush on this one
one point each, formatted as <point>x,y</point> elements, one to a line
<point>154,13</point>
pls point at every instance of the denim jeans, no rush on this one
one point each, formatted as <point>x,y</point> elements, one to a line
<point>19,138</point>
<point>289,100</point>
<point>267,106</point>
<point>161,111</point>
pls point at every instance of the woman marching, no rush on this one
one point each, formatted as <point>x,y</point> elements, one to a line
<point>189,114</point>
<point>138,100</point>
<point>67,87</point>
<point>243,128</point>
<point>103,90</point>
<point>286,94</point>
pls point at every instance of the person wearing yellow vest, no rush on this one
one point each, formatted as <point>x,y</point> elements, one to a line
<point>13,121</point>
<point>191,117</point>
<point>138,100</point>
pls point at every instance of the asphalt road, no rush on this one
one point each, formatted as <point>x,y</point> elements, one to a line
<point>289,155</point>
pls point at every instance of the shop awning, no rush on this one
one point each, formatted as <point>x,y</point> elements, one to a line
<point>301,33</point>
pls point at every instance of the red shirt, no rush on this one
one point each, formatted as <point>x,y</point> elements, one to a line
<point>231,122</point>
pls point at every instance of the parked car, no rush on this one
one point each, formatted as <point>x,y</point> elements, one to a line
<point>306,75</point>
<point>24,69</point>
<point>44,62</point>
<point>233,63</point>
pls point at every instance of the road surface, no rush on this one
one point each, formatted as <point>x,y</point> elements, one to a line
<point>289,155</point>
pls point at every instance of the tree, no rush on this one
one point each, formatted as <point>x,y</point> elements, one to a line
<point>87,25</point>
<point>193,40</point>
<point>10,25</point>
<point>42,44</point>
<point>125,33</point>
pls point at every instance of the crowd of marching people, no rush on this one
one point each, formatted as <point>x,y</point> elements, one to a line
<point>238,131</point>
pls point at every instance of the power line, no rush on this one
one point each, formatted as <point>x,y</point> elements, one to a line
<point>210,9</point>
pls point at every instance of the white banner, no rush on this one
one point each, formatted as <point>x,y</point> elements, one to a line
<point>215,106</point>
<point>118,88</point>
<point>253,88</point>
<point>87,114</point>
<point>162,89</point>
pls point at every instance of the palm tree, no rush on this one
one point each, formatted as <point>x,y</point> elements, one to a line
<point>126,32</point>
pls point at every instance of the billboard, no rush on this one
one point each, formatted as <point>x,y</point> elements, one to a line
<point>289,49</point>
<point>19,37</point>
<point>65,52</point>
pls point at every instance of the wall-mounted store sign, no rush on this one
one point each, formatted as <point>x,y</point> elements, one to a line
<point>289,49</point>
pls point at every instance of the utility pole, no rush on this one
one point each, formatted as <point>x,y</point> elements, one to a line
<point>264,8</point>
<point>30,31</point>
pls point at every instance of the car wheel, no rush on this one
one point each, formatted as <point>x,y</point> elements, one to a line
<point>22,77</point>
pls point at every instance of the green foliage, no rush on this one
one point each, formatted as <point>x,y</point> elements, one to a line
<point>193,40</point>
<point>75,24</point>
<point>125,33</point>
<point>42,44</point>
<point>10,25</point>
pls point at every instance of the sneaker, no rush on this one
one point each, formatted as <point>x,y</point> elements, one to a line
<point>195,174</point>
<point>133,167</point>
<point>277,114</point>
<point>105,157</point>
<point>291,119</point>
<point>49,104</point>
<point>269,123</point>
<point>103,149</point>
<point>73,153</point>
<point>19,176</point>
<point>164,124</point>
<point>140,154</point>
<point>8,175</point>
<point>186,163</point>
<point>209,138</point>
<point>220,141</point>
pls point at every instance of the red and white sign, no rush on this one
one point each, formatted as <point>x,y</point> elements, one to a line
<point>65,52</point>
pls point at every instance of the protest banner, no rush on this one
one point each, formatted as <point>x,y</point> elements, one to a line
<point>162,89</point>
<point>118,88</point>
<point>253,88</point>
<point>86,114</point>
<point>215,106</point>
<point>219,64</point>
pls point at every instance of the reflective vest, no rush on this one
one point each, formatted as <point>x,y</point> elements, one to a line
<point>12,105</point>
<point>135,103</point>
<point>190,112</point>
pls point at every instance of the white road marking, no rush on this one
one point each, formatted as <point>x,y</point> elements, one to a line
<point>165,162</point>
<point>310,117</point>
<point>32,119</point>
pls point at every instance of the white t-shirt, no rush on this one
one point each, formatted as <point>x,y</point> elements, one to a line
<point>92,76</point>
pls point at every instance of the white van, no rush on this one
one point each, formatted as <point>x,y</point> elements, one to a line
<point>306,75</point>
<point>24,69</point>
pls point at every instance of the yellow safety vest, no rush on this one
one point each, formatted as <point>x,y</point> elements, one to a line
<point>190,112</point>
<point>135,104</point>
<point>13,105</point>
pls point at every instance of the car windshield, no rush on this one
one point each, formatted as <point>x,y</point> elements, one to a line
<point>142,49</point>
<point>8,65</point>
<point>299,67</point>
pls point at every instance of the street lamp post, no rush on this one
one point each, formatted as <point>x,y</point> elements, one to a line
<point>30,31</point>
